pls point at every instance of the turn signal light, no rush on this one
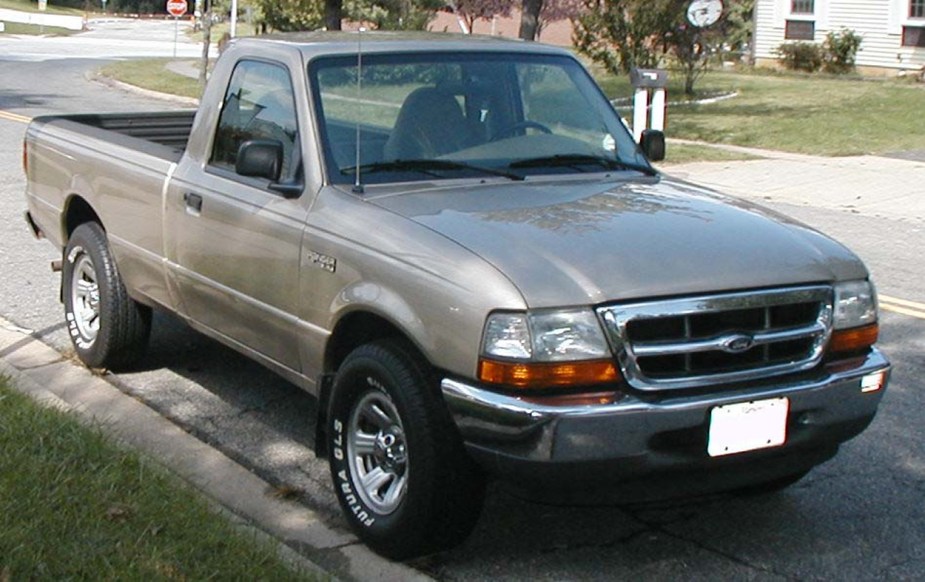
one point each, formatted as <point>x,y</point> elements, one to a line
<point>529,375</point>
<point>855,339</point>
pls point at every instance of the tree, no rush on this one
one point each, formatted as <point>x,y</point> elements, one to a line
<point>292,15</point>
<point>530,19</point>
<point>393,14</point>
<point>555,10</point>
<point>536,14</point>
<point>623,34</point>
<point>472,10</point>
<point>333,14</point>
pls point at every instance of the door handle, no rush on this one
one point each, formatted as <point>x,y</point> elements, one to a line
<point>193,202</point>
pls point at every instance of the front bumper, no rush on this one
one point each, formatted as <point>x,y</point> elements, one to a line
<point>640,445</point>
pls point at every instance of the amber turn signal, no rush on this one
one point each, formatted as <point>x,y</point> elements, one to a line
<point>547,374</point>
<point>854,339</point>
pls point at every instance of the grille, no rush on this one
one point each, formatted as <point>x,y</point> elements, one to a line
<point>686,343</point>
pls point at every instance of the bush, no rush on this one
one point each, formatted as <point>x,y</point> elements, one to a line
<point>840,50</point>
<point>801,56</point>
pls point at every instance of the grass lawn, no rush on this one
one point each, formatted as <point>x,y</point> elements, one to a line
<point>152,74</point>
<point>33,6</point>
<point>74,505</point>
<point>813,114</point>
<point>18,28</point>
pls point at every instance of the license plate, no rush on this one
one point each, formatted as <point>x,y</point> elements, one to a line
<point>748,426</point>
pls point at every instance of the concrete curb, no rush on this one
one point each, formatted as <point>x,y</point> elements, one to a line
<point>42,373</point>
<point>115,84</point>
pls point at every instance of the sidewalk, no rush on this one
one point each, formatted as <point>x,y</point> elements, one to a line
<point>889,187</point>
<point>48,377</point>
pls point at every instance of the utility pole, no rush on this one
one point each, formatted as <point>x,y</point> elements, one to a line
<point>206,41</point>
<point>234,18</point>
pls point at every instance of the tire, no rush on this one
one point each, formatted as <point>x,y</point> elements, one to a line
<point>108,329</point>
<point>401,474</point>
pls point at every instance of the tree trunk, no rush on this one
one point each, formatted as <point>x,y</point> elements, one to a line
<point>530,19</point>
<point>333,13</point>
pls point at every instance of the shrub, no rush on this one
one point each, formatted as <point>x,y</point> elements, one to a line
<point>801,56</point>
<point>840,50</point>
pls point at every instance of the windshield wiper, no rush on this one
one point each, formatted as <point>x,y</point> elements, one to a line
<point>427,167</point>
<point>578,160</point>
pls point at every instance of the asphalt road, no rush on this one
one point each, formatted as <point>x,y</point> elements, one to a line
<point>860,516</point>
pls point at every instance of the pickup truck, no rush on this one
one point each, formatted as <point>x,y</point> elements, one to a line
<point>457,247</point>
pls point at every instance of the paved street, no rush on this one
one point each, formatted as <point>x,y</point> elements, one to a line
<point>859,516</point>
<point>107,38</point>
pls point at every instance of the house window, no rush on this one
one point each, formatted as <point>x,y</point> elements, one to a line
<point>916,8</point>
<point>800,30</point>
<point>806,6</point>
<point>914,36</point>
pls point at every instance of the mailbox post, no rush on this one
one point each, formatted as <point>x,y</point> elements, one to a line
<point>646,82</point>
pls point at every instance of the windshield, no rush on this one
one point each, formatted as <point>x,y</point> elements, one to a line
<point>441,115</point>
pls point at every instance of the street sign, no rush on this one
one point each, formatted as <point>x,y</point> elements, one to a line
<point>177,7</point>
<point>43,4</point>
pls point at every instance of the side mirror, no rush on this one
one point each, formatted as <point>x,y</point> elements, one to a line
<point>652,143</point>
<point>260,158</point>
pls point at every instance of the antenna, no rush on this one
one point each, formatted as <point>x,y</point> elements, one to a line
<point>358,183</point>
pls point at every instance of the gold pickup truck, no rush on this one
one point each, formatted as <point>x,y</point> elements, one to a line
<point>457,247</point>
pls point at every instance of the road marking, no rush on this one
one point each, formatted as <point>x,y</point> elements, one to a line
<point>902,306</point>
<point>14,117</point>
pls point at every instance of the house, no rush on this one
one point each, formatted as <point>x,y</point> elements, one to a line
<point>893,31</point>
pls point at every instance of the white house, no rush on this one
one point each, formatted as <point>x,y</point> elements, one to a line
<point>893,31</point>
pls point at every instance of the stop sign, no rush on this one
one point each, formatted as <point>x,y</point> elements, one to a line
<point>177,7</point>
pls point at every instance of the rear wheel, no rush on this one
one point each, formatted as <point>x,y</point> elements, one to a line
<point>108,329</point>
<point>401,474</point>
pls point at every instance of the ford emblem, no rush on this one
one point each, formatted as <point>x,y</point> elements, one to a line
<point>738,343</point>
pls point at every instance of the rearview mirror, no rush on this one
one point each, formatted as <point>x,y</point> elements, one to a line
<point>260,158</point>
<point>652,143</point>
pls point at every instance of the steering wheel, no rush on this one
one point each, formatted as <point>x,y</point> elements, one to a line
<point>515,127</point>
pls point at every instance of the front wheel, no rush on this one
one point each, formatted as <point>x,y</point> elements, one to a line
<point>401,474</point>
<point>108,329</point>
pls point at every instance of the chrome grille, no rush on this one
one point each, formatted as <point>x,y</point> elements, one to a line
<point>692,342</point>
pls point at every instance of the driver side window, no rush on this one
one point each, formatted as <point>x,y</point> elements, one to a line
<point>259,104</point>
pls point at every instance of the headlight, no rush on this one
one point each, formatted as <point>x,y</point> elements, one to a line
<point>855,304</point>
<point>545,336</point>
<point>855,318</point>
<point>545,349</point>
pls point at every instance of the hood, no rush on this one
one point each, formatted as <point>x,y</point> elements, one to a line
<point>587,242</point>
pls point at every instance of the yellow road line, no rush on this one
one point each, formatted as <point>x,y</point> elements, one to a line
<point>902,310</point>
<point>902,302</point>
<point>14,117</point>
<point>902,306</point>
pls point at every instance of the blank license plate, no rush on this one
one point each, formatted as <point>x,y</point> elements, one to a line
<point>747,426</point>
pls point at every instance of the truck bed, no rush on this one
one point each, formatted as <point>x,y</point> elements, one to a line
<point>163,134</point>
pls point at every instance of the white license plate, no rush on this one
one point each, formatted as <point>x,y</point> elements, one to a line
<point>748,426</point>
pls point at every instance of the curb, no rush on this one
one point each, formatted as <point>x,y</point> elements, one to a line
<point>38,371</point>
<point>115,84</point>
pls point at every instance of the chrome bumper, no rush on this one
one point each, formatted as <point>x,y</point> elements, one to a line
<point>652,434</point>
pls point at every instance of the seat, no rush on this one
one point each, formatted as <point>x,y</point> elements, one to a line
<point>430,124</point>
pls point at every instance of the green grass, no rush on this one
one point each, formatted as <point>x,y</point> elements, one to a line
<point>152,74</point>
<point>73,505</point>
<point>18,28</point>
<point>813,114</point>
<point>33,6</point>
